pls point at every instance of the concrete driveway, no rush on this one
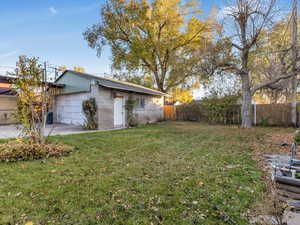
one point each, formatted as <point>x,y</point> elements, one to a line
<point>11,131</point>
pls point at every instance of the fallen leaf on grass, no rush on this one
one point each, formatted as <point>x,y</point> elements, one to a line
<point>29,223</point>
<point>200,183</point>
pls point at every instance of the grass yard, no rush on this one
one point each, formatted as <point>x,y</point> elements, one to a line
<point>171,173</point>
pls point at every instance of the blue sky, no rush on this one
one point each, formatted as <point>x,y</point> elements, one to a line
<point>52,30</point>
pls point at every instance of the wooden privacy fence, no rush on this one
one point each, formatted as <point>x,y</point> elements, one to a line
<point>272,114</point>
<point>170,112</point>
<point>263,114</point>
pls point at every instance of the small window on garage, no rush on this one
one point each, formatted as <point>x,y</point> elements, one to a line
<point>140,102</point>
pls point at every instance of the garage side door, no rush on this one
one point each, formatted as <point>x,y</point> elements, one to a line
<point>69,109</point>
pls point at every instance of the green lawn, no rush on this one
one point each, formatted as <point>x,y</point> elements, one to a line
<point>172,173</point>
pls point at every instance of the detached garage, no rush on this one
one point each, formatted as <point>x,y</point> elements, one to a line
<point>111,96</point>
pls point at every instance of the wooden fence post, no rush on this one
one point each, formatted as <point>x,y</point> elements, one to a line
<point>170,112</point>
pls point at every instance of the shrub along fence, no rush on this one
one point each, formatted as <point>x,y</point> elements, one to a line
<point>263,114</point>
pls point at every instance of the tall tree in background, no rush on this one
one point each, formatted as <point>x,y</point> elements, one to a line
<point>249,17</point>
<point>182,95</point>
<point>79,69</point>
<point>145,79</point>
<point>156,37</point>
<point>256,35</point>
<point>274,59</point>
<point>75,68</point>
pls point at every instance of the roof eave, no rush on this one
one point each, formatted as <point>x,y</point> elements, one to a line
<point>124,89</point>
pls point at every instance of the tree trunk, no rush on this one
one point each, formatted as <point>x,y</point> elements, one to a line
<point>295,55</point>
<point>246,109</point>
<point>159,80</point>
<point>244,73</point>
<point>294,105</point>
<point>246,102</point>
<point>246,91</point>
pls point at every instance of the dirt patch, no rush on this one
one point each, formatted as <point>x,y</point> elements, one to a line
<point>276,142</point>
<point>279,143</point>
<point>279,139</point>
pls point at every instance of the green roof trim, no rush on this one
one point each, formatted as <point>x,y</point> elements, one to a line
<point>115,84</point>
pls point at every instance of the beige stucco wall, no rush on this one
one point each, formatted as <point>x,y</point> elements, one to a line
<point>104,100</point>
<point>8,105</point>
<point>152,112</point>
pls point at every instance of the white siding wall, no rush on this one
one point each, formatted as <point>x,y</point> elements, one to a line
<point>69,108</point>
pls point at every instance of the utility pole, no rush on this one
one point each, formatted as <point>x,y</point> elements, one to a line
<point>55,74</point>
<point>45,72</point>
<point>294,58</point>
<point>44,111</point>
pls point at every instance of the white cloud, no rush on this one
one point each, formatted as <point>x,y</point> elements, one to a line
<point>8,54</point>
<point>53,10</point>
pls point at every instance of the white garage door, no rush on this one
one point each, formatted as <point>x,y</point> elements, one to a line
<point>69,108</point>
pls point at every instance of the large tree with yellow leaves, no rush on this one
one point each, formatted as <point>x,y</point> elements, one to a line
<point>273,61</point>
<point>156,37</point>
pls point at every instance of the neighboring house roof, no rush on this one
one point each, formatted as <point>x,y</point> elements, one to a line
<point>5,79</point>
<point>9,80</point>
<point>7,91</point>
<point>116,84</point>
